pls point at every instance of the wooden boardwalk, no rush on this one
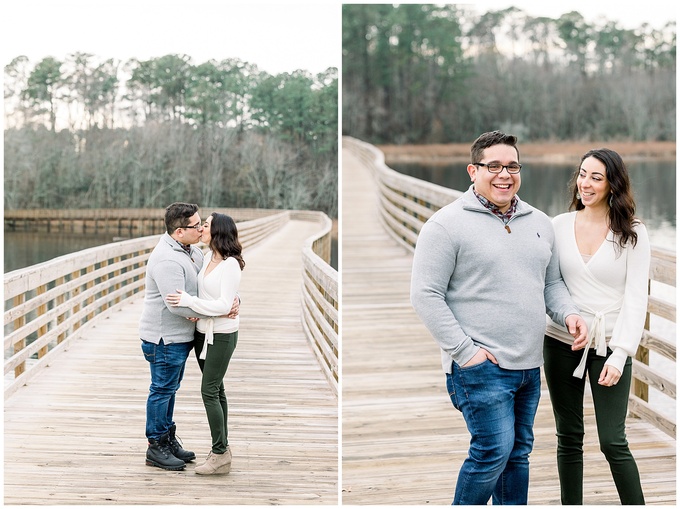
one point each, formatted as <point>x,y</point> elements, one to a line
<point>402,440</point>
<point>75,434</point>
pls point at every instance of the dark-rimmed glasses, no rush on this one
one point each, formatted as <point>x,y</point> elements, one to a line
<point>513,168</point>
<point>196,227</point>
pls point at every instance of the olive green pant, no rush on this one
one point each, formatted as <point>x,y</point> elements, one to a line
<point>611,407</point>
<point>214,367</point>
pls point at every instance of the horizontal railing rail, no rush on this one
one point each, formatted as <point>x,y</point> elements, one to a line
<point>320,299</point>
<point>406,203</point>
<point>49,304</point>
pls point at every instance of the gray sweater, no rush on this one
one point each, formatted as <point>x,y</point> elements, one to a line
<point>169,269</point>
<point>475,285</point>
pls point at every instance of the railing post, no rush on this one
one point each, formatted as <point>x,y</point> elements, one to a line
<point>117,273</point>
<point>42,309</point>
<point>19,322</point>
<point>90,283</point>
<point>641,389</point>
<point>74,295</point>
<point>61,298</point>
<point>105,289</point>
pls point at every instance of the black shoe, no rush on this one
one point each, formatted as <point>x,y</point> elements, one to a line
<point>159,454</point>
<point>176,446</point>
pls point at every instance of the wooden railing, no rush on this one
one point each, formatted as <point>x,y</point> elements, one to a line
<point>50,304</point>
<point>406,203</point>
<point>320,297</point>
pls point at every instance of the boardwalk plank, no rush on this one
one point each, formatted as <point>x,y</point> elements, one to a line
<point>402,441</point>
<point>75,435</point>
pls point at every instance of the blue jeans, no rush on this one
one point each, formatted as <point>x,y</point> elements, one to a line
<point>167,369</point>
<point>499,406</point>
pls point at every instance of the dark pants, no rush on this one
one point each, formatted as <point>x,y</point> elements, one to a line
<point>214,367</point>
<point>611,407</point>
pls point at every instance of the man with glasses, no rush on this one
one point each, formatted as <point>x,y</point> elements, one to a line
<point>485,271</point>
<point>167,332</point>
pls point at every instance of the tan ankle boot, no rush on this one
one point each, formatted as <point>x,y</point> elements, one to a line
<point>207,458</point>
<point>216,464</point>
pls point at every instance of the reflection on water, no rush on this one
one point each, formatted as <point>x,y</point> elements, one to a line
<point>545,186</point>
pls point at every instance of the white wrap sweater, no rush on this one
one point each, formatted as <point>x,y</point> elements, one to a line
<point>610,289</point>
<point>216,293</point>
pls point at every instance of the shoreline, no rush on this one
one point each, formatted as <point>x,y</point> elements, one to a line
<point>442,154</point>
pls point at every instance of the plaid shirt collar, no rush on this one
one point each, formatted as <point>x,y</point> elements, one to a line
<point>187,248</point>
<point>505,217</point>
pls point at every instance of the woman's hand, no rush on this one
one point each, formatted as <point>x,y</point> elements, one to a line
<point>235,308</point>
<point>174,298</point>
<point>609,376</point>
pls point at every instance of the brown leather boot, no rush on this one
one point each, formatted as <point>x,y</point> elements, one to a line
<point>216,464</point>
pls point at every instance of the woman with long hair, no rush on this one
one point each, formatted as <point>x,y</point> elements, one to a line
<point>216,337</point>
<point>604,257</point>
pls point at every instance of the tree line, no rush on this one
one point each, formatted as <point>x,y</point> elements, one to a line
<point>93,133</point>
<point>442,73</point>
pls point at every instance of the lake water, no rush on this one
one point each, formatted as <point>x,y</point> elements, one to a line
<point>23,249</point>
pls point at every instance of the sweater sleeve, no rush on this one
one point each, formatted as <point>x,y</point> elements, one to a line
<point>229,282</point>
<point>433,264</point>
<point>170,277</point>
<point>630,323</point>
<point>558,301</point>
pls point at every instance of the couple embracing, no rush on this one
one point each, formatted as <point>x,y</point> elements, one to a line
<point>191,303</point>
<point>486,269</point>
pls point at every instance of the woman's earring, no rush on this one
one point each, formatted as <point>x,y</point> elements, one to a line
<point>611,199</point>
<point>578,195</point>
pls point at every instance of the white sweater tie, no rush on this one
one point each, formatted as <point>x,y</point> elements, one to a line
<point>209,336</point>
<point>597,334</point>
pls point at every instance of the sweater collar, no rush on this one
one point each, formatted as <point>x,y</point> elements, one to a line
<point>176,245</point>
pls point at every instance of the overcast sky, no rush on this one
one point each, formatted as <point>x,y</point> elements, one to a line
<point>630,14</point>
<point>277,36</point>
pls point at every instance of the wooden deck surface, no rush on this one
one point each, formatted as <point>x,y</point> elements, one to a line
<point>402,440</point>
<point>75,435</point>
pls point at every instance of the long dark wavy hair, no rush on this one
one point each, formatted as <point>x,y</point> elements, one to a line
<point>621,204</point>
<point>224,238</point>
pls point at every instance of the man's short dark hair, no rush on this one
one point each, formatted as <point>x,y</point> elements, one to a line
<point>490,139</point>
<point>178,214</point>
